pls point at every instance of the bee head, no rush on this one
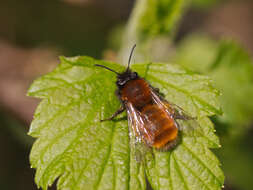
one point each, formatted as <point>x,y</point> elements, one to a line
<point>126,76</point>
<point>123,78</point>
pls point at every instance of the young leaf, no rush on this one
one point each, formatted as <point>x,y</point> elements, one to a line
<point>84,153</point>
<point>157,17</point>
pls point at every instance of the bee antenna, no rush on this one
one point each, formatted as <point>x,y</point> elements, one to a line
<point>130,57</point>
<point>106,68</point>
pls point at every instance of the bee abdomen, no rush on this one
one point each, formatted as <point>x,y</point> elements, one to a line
<point>161,124</point>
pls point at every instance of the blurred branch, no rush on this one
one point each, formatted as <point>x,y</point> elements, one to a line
<point>151,21</point>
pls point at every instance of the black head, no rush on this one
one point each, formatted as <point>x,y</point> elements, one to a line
<point>123,78</point>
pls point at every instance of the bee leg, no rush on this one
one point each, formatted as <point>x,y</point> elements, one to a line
<point>119,111</point>
<point>157,91</point>
<point>180,116</point>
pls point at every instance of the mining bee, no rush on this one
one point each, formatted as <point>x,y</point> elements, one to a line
<point>152,119</point>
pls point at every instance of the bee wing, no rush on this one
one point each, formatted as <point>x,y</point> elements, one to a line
<point>137,124</point>
<point>137,131</point>
<point>186,123</point>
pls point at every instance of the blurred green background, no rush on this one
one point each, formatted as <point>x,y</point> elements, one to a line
<point>214,38</point>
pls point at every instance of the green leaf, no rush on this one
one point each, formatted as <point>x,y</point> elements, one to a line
<point>74,147</point>
<point>158,17</point>
<point>231,68</point>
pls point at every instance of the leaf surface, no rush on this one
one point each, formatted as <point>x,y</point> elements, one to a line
<point>74,147</point>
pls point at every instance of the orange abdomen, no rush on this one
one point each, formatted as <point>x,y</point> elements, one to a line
<point>160,124</point>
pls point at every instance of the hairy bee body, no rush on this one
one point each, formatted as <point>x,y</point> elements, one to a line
<point>159,127</point>
<point>151,118</point>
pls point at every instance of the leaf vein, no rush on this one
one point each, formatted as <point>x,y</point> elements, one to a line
<point>200,161</point>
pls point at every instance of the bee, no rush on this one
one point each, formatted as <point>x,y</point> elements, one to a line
<point>152,119</point>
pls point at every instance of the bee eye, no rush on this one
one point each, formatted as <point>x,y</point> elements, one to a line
<point>134,75</point>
